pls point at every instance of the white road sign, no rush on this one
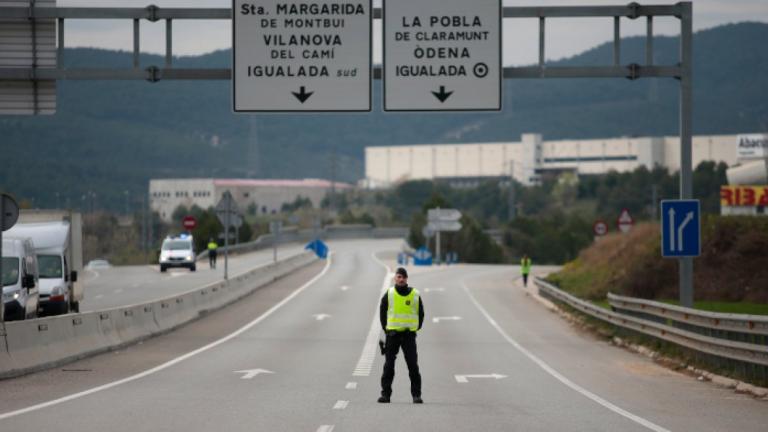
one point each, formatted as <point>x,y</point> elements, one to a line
<point>444,226</point>
<point>442,55</point>
<point>438,214</point>
<point>291,55</point>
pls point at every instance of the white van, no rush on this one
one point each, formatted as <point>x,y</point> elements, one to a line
<point>21,295</point>
<point>55,249</point>
<point>178,252</point>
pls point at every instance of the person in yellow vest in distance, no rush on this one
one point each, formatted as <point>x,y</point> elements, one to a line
<point>525,268</point>
<point>212,252</point>
<point>401,313</point>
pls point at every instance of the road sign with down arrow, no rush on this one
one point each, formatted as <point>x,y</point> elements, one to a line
<point>293,55</point>
<point>442,55</point>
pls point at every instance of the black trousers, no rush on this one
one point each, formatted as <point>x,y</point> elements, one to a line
<point>407,341</point>
<point>525,279</point>
<point>212,258</point>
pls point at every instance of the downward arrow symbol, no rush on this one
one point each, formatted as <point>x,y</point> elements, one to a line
<point>302,95</point>
<point>442,96</point>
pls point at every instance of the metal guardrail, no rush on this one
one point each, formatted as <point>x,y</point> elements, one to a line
<point>728,349</point>
<point>713,321</point>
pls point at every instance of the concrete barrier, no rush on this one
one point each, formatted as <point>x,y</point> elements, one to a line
<point>43,343</point>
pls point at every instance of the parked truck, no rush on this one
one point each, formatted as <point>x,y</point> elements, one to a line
<point>57,237</point>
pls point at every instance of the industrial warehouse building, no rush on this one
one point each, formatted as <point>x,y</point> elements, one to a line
<point>267,196</point>
<point>531,157</point>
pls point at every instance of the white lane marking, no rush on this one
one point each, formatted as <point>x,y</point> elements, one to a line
<point>98,296</point>
<point>180,359</point>
<point>325,428</point>
<point>450,318</point>
<point>320,317</point>
<point>118,291</point>
<point>465,378</point>
<point>558,376</point>
<point>252,373</point>
<point>344,288</point>
<point>426,290</point>
<point>340,405</point>
<point>351,385</point>
<point>365,363</point>
<point>136,285</point>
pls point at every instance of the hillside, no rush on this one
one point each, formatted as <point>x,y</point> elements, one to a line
<point>111,137</point>
<point>732,266</point>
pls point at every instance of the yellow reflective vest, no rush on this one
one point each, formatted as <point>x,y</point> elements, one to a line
<point>525,265</point>
<point>212,246</point>
<point>403,311</point>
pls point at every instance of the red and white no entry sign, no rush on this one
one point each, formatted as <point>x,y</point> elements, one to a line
<point>600,228</point>
<point>189,223</point>
<point>625,221</point>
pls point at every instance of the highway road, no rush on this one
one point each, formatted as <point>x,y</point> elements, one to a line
<point>126,285</point>
<point>301,355</point>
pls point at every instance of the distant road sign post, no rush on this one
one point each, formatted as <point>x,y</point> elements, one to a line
<point>625,222</point>
<point>442,220</point>
<point>681,236</point>
<point>9,214</point>
<point>600,228</point>
<point>226,211</point>
<point>290,55</point>
<point>442,55</point>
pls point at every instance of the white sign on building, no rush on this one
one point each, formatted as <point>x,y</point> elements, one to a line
<point>442,55</point>
<point>290,55</point>
<point>754,146</point>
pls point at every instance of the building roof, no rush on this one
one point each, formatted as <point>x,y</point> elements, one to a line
<point>317,183</point>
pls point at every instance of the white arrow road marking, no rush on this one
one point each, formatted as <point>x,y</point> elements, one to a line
<point>672,229</point>
<point>325,428</point>
<point>321,317</point>
<point>426,290</point>
<point>351,385</point>
<point>686,221</point>
<point>251,373</point>
<point>177,360</point>
<point>340,405</point>
<point>450,318</point>
<point>465,378</point>
<point>344,287</point>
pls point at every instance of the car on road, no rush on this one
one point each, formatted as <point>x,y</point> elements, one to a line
<point>98,264</point>
<point>177,252</point>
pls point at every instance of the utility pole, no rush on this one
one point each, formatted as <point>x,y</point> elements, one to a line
<point>333,178</point>
<point>511,197</point>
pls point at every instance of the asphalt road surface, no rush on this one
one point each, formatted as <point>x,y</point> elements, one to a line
<point>127,285</point>
<point>301,355</point>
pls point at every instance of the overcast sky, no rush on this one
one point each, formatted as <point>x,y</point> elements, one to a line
<point>565,37</point>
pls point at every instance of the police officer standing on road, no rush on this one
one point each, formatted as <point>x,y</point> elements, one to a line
<point>525,268</point>
<point>402,314</point>
<point>212,252</point>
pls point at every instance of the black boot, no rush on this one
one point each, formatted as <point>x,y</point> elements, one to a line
<point>383,399</point>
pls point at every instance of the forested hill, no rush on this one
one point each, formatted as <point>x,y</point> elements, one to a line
<point>113,136</point>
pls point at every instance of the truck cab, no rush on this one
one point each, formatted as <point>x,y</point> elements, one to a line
<point>19,279</point>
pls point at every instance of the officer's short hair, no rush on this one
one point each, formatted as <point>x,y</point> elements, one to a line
<point>402,271</point>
